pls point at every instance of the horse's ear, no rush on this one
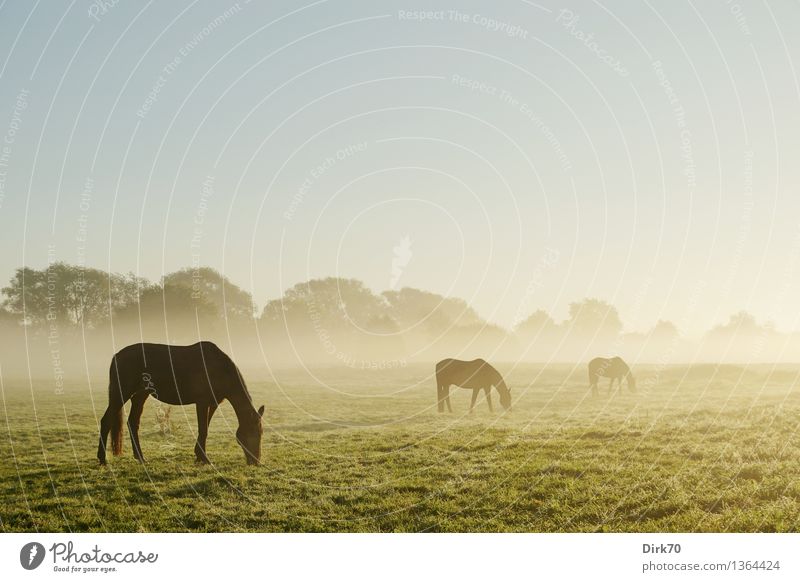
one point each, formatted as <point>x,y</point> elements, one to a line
<point>261,410</point>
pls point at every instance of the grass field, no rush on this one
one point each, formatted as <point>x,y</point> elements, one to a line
<point>696,449</point>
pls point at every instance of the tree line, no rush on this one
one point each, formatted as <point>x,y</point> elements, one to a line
<point>333,318</point>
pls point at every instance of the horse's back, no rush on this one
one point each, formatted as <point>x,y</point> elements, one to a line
<point>448,362</point>
<point>173,374</point>
<point>598,364</point>
<point>608,367</point>
<point>453,371</point>
<point>620,365</point>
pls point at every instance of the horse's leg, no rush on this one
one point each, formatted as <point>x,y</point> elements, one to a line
<point>105,428</point>
<point>488,390</point>
<point>110,417</point>
<point>440,398</point>
<point>447,397</point>
<point>203,417</point>
<point>474,398</point>
<point>134,417</point>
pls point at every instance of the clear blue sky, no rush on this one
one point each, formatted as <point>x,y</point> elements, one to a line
<point>533,154</point>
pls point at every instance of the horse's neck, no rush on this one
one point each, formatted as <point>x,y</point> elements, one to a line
<point>242,406</point>
<point>497,380</point>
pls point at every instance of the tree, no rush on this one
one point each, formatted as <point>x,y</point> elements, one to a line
<point>538,322</point>
<point>170,304</point>
<point>214,288</point>
<point>738,323</point>
<point>7,319</point>
<point>68,294</point>
<point>664,331</point>
<point>594,317</point>
<point>26,295</point>
<point>412,307</point>
<point>332,303</point>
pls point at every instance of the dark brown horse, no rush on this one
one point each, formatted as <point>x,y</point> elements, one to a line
<point>614,368</point>
<point>476,375</point>
<point>199,374</point>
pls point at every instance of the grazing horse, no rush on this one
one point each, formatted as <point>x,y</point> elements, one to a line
<point>614,368</point>
<point>199,374</point>
<point>476,375</point>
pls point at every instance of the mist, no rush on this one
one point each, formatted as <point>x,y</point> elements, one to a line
<point>62,324</point>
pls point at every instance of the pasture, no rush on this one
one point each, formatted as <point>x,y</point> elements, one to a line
<point>699,448</point>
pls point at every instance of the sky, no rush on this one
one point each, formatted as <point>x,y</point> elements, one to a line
<point>519,155</point>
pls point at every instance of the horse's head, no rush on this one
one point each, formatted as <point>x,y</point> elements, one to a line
<point>505,395</point>
<point>249,437</point>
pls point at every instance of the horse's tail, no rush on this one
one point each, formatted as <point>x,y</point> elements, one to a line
<point>116,432</point>
<point>441,389</point>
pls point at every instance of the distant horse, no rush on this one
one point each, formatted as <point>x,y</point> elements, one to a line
<point>614,368</point>
<point>199,374</point>
<point>476,375</point>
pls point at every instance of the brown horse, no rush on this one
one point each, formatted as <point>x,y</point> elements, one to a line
<point>199,374</point>
<point>476,375</point>
<point>614,368</point>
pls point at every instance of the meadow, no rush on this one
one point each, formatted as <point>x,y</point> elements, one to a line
<point>696,448</point>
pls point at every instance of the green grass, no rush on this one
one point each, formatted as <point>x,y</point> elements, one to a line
<point>700,449</point>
